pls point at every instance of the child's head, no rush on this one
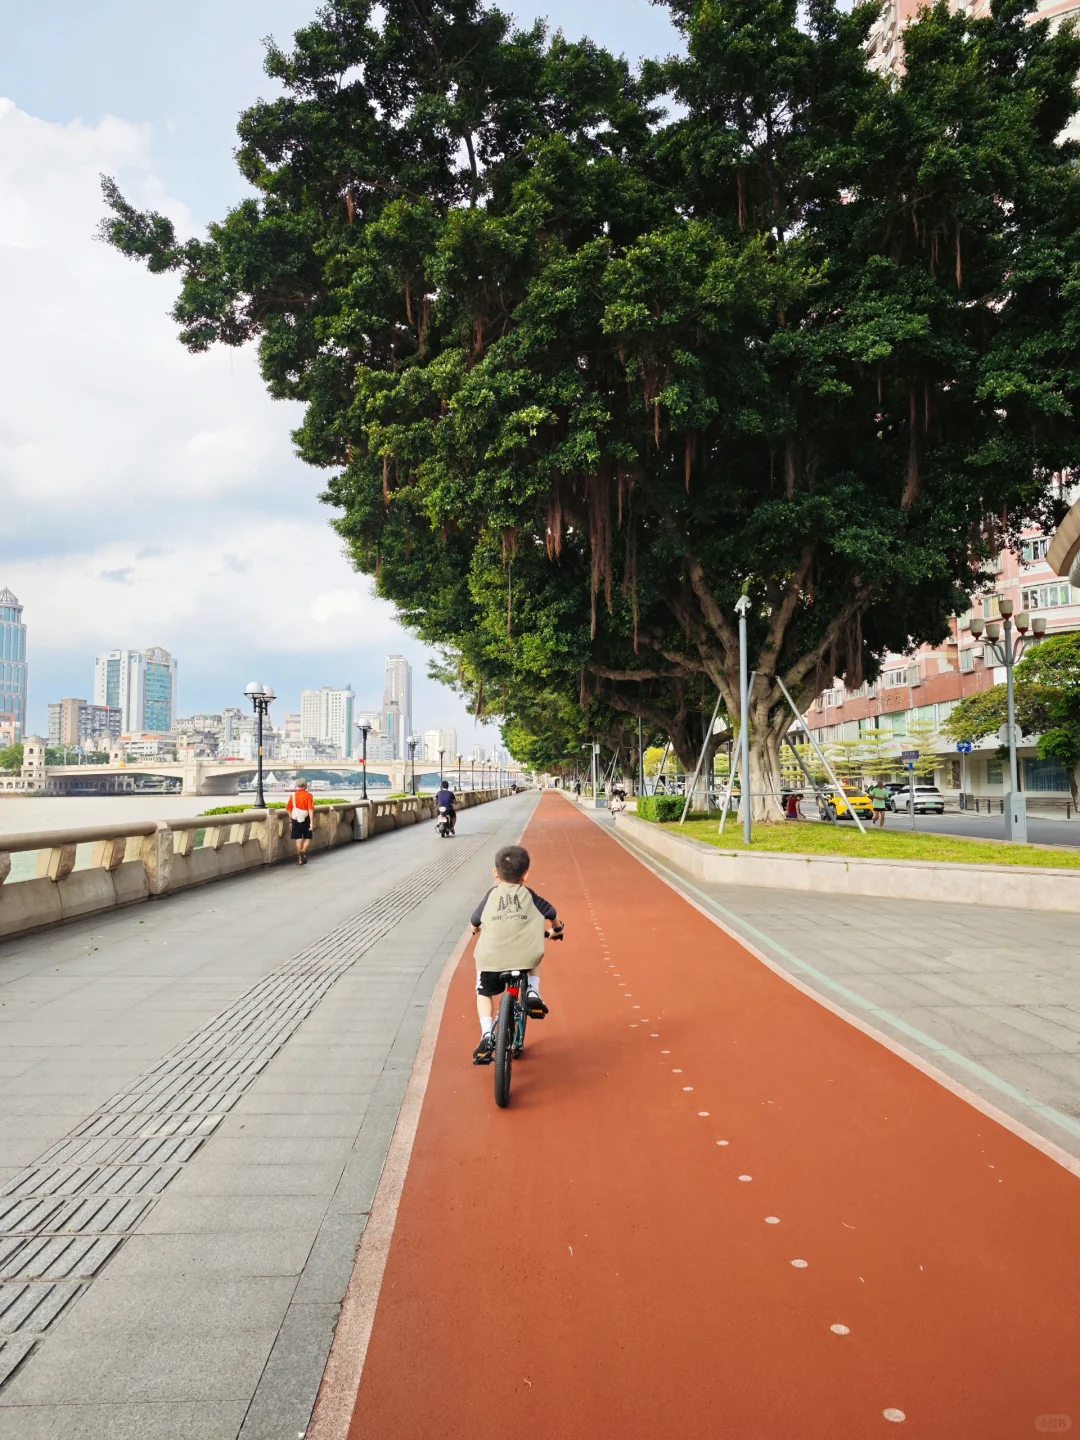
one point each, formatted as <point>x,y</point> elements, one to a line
<point>512,864</point>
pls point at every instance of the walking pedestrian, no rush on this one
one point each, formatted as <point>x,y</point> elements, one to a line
<point>301,808</point>
<point>880,796</point>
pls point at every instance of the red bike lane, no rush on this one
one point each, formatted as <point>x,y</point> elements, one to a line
<point>712,1208</point>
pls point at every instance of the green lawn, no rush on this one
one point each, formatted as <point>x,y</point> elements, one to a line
<point>810,838</point>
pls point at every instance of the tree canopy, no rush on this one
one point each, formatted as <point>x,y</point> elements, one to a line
<point>583,372</point>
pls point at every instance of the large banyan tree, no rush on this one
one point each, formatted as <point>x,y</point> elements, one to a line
<point>584,370</point>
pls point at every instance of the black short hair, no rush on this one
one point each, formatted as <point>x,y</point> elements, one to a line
<point>512,862</point>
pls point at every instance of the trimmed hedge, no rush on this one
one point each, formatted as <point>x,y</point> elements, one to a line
<point>272,805</point>
<point>661,808</point>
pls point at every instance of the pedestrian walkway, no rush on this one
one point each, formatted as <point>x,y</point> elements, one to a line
<point>714,1207</point>
<point>196,1099</point>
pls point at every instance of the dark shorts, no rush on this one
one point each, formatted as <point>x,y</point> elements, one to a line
<point>490,983</point>
<point>301,829</point>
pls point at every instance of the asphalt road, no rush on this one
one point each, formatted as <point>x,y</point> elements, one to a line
<point>988,827</point>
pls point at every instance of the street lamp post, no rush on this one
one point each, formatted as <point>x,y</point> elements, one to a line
<point>261,697</point>
<point>459,772</point>
<point>441,754</point>
<point>472,773</point>
<point>1016,805</point>
<point>412,741</point>
<point>742,605</point>
<point>365,730</point>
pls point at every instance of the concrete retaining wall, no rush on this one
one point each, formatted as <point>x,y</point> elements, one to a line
<point>1005,886</point>
<point>169,860</point>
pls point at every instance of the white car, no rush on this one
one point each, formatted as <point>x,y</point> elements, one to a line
<point>928,800</point>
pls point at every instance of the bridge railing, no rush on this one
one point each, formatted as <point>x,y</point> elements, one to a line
<point>85,870</point>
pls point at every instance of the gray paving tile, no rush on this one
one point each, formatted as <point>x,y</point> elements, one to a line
<point>289,1126</point>
<point>288,1386</point>
<point>275,1150</point>
<point>178,1214</point>
<point>211,1420</point>
<point>160,1364</point>
<point>330,1263</point>
<point>180,1302</point>
<point>229,1254</point>
<point>207,1177</point>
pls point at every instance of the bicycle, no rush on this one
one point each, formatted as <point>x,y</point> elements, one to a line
<point>510,1025</point>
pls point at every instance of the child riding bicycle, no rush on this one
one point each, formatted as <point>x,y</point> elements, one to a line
<point>512,922</point>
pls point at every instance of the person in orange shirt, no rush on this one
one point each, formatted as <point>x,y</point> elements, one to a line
<point>301,808</point>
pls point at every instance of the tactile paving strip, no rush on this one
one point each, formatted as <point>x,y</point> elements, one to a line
<point>64,1216</point>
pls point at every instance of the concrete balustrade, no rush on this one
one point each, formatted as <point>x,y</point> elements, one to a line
<point>147,859</point>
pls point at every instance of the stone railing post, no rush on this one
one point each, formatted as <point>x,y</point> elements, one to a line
<point>361,825</point>
<point>5,866</point>
<point>157,853</point>
<point>110,854</point>
<point>56,864</point>
<point>184,841</point>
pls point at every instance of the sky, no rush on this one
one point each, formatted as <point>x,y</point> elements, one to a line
<point>148,496</point>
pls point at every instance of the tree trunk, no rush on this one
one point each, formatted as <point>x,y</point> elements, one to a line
<point>766,774</point>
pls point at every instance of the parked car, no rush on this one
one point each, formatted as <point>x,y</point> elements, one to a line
<point>842,803</point>
<point>895,788</point>
<point>928,800</point>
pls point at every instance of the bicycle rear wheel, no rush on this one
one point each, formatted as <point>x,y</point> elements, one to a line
<point>504,1042</point>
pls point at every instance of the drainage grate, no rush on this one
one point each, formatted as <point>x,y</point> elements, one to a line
<point>64,1216</point>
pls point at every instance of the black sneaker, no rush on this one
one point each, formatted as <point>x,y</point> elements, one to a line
<point>534,1006</point>
<point>483,1053</point>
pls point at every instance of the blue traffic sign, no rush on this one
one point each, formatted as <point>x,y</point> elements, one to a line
<point>909,756</point>
<point>964,747</point>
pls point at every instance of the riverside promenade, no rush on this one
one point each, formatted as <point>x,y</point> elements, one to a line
<point>721,1201</point>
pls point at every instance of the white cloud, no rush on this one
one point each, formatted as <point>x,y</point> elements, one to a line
<point>148,496</point>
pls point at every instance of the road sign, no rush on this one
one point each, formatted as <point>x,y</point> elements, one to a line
<point>909,756</point>
<point>964,747</point>
<point>1003,735</point>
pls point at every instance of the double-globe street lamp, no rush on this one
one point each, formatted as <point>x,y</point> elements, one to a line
<point>1016,804</point>
<point>412,743</point>
<point>261,697</point>
<point>365,731</point>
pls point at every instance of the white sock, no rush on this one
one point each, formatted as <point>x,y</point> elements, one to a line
<point>485,1026</point>
<point>534,983</point>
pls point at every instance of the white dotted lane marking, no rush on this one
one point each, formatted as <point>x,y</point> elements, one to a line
<point>840,1329</point>
<point>704,1114</point>
<point>654,1036</point>
<point>800,1264</point>
<point>676,1072</point>
<point>897,1416</point>
<point>746,1177</point>
<point>772,1219</point>
<point>723,1142</point>
<point>687,1087</point>
<point>665,1052</point>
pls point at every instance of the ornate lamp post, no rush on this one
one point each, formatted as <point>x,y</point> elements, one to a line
<point>459,772</point>
<point>1016,805</point>
<point>412,742</point>
<point>472,776</point>
<point>365,731</point>
<point>261,697</point>
<point>441,754</point>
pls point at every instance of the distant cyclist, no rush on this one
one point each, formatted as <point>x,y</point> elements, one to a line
<point>444,800</point>
<point>512,922</point>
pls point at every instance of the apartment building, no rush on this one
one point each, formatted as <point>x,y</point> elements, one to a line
<point>886,44</point>
<point>917,693</point>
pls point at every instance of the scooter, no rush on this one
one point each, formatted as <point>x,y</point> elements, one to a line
<point>442,824</point>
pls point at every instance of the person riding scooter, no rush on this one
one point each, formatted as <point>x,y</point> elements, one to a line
<point>444,800</point>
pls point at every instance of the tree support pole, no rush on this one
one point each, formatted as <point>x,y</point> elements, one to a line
<point>820,753</point>
<point>701,761</point>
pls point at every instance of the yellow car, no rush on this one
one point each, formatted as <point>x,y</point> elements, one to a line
<point>843,803</point>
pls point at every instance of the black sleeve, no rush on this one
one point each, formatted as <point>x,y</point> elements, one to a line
<point>478,913</point>
<point>547,910</point>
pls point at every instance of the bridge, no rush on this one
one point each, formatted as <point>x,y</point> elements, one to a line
<point>200,776</point>
<point>802,1164</point>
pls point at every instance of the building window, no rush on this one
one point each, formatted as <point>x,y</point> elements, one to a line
<point>892,678</point>
<point>967,658</point>
<point>899,723</point>
<point>1044,775</point>
<point>1035,550</point>
<point>994,773</point>
<point>990,608</point>
<point>1046,597</point>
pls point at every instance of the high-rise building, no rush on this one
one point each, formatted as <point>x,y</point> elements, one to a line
<point>397,703</point>
<point>13,668</point>
<point>326,717</point>
<point>440,740</point>
<point>141,684</point>
<point>64,721</point>
<point>74,722</point>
